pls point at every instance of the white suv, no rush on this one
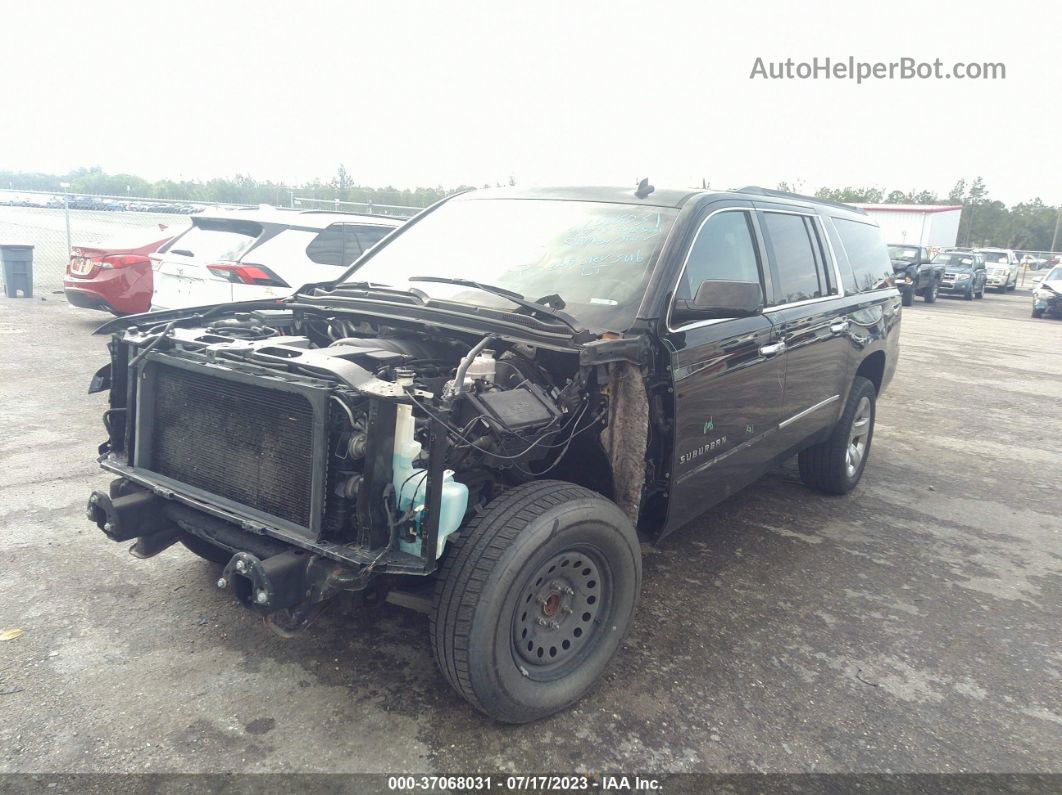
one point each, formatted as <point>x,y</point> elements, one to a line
<point>1003,267</point>
<point>242,255</point>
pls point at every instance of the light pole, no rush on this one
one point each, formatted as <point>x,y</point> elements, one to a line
<point>66,213</point>
<point>1054,238</point>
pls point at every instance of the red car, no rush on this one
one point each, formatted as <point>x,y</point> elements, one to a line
<point>113,279</point>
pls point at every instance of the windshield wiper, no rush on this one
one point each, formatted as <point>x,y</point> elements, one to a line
<point>516,298</point>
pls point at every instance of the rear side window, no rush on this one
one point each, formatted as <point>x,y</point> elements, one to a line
<point>793,247</point>
<point>216,241</point>
<point>724,250</point>
<point>341,244</point>
<point>867,254</point>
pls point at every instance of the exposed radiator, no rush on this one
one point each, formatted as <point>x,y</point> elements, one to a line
<point>250,444</point>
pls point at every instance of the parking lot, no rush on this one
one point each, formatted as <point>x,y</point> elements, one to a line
<point>910,626</point>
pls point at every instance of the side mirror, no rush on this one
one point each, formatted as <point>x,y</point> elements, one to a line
<point>720,299</point>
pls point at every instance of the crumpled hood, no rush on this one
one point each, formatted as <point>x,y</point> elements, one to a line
<point>1054,284</point>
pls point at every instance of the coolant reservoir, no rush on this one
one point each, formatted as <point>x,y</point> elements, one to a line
<point>483,366</point>
<point>411,486</point>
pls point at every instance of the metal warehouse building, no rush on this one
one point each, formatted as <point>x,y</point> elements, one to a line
<point>934,225</point>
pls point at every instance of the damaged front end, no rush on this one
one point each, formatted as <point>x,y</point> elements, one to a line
<point>314,452</point>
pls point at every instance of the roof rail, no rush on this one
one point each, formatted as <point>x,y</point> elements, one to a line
<point>781,194</point>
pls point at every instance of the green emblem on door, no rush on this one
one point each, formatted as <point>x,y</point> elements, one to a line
<point>709,424</point>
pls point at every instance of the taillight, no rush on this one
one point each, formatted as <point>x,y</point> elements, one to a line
<point>247,274</point>
<point>122,261</point>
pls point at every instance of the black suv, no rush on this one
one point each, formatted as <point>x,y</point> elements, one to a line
<point>915,273</point>
<point>495,405</point>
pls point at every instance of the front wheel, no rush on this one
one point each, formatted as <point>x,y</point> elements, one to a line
<point>1038,313</point>
<point>907,297</point>
<point>931,293</point>
<point>968,295</point>
<point>534,598</point>
<point>836,465</point>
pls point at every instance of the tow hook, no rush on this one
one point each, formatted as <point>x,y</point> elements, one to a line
<point>289,581</point>
<point>137,514</point>
<point>275,583</point>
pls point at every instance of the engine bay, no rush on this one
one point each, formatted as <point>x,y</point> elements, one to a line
<point>420,427</point>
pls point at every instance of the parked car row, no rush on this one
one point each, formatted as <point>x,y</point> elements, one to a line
<point>965,272</point>
<point>98,203</point>
<point>224,255</point>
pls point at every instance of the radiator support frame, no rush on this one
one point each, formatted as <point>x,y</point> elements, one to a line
<point>316,394</point>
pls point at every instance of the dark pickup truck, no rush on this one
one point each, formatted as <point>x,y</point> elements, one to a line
<point>488,412</point>
<point>915,273</point>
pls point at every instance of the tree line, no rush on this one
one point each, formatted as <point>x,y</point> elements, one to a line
<point>241,189</point>
<point>1030,225</point>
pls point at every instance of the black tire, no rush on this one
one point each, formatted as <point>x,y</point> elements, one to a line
<point>825,467</point>
<point>1038,313</point>
<point>206,550</point>
<point>513,554</point>
<point>907,297</point>
<point>980,293</point>
<point>968,295</point>
<point>930,294</point>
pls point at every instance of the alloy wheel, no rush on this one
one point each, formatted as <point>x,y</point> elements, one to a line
<point>857,437</point>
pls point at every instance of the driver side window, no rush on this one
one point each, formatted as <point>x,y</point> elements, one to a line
<point>724,250</point>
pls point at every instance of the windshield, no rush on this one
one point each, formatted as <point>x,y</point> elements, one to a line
<point>954,260</point>
<point>994,256</point>
<point>596,256</point>
<point>905,253</point>
<point>1054,275</point>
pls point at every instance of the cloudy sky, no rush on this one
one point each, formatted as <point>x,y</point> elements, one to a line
<point>448,93</point>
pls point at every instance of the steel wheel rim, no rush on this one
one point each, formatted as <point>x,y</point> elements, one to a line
<point>560,611</point>
<point>858,436</point>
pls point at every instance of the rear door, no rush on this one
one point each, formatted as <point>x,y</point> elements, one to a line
<point>181,275</point>
<point>810,315</point>
<point>728,374</point>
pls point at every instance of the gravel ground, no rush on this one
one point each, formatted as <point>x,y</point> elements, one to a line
<point>910,626</point>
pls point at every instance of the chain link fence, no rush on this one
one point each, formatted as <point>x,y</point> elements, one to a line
<point>53,223</point>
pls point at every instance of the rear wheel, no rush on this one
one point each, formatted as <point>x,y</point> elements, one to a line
<point>907,297</point>
<point>930,294</point>
<point>835,466</point>
<point>534,599</point>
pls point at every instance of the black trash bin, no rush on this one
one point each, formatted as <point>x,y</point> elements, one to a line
<point>18,269</point>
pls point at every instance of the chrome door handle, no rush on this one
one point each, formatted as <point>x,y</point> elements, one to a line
<point>771,350</point>
<point>839,326</point>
